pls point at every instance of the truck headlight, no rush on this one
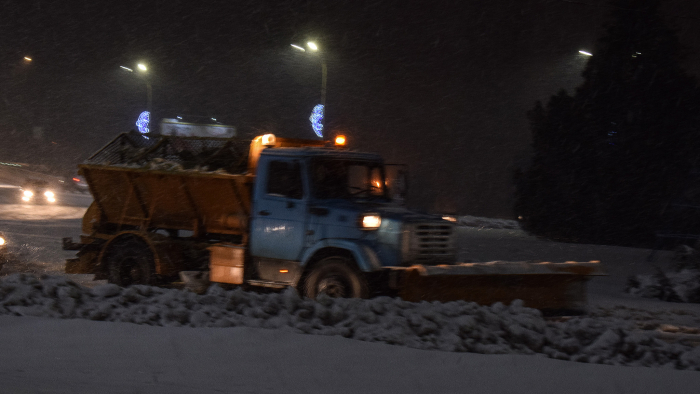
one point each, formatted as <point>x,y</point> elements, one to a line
<point>27,193</point>
<point>370,221</point>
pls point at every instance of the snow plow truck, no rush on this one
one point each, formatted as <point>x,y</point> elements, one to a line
<point>279,212</point>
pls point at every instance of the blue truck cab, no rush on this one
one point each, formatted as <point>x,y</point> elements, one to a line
<point>325,220</point>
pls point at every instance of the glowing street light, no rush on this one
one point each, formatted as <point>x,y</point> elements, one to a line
<point>27,58</point>
<point>317,115</point>
<point>585,53</point>
<point>149,90</point>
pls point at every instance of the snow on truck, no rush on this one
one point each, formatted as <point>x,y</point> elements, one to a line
<point>278,213</point>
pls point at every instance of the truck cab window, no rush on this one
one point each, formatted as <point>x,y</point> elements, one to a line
<point>346,179</point>
<point>284,179</point>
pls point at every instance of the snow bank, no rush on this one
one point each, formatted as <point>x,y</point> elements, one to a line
<point>476,221</point>
<point>40,212</point>
<point>454,326</point>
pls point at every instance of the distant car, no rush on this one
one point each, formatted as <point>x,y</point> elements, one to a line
<point>37,192</point>
<point>74,184</point>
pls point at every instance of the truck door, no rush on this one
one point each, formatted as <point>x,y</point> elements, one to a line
<point>279,215</point>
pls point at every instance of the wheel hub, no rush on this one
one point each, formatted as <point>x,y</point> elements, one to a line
<point>332,287</point>
<point>136,274</point>
<point>130,271</point>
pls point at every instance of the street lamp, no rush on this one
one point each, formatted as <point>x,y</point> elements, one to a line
<point>585,53</point>
<point>318,113</point>
<point>324,71</point>
<point>149,90</point>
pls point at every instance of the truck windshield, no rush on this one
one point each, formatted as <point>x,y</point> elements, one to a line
<point>347,179</point>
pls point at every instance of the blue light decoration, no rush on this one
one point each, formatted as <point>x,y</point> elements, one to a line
<point>142,122</point>
<point>316,119</point>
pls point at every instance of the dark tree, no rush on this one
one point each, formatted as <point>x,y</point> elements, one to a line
<point>608,160</point>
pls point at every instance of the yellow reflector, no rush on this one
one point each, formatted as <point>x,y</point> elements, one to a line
<point>340,140</point>
<point>284,271</point>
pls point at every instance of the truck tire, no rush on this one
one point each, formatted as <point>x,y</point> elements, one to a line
<point>335,277</point>
<point>129,261</point>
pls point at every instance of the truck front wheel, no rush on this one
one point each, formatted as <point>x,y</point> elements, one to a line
<point>129,261</point>
<point>335,277</point>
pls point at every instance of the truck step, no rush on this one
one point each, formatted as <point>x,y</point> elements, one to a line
<point>266,283</point>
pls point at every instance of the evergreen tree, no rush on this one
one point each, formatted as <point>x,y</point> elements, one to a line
<point>610,158</point>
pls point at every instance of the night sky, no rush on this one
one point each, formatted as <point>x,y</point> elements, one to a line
<point>442,85</point>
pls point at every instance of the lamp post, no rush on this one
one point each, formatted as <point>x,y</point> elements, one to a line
<point>313,47</point>
<point>324,70</point>
<point>149,90</point>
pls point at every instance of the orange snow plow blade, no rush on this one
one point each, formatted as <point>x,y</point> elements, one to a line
<point>546,286</point>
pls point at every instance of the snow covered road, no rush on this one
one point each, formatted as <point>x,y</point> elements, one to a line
<point>94,356</point>
<point>39,355</point>
<point>34,232</point>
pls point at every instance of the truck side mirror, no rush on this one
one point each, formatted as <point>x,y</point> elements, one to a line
<point>397,182</point>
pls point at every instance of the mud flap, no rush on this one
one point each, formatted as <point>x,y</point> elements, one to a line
<point>195,281</point>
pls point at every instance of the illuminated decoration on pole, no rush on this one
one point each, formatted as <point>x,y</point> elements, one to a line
<point>143,121</point>
<point>316,119</point>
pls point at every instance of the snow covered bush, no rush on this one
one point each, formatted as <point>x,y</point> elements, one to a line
<point>680,285</point>
<point>481,222</point>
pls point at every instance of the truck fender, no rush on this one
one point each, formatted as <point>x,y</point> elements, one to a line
<point>364,255</point>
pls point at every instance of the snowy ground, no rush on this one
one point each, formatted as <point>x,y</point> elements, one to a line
<point>476,221</point>
<point>88,356</point>
<point>39,355</point>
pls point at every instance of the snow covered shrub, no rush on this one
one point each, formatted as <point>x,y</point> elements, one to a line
<point>680,285</point>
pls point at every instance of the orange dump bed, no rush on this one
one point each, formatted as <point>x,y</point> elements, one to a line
<point>190,200</point>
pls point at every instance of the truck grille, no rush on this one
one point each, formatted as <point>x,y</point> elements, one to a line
<point>428,243</point>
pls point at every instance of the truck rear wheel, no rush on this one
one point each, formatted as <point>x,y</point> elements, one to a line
<point>129,261</point>
<point>336,278</point>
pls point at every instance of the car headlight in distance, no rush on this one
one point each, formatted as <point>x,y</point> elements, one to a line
<point>370,221</point>
<point>27,193</point>
<point>2,241</point>
<point>49,194</point>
